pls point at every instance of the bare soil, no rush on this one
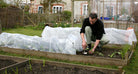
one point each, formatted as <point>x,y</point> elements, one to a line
<point>4,63</point>
<point>105,52</point>
<point>38,68</point>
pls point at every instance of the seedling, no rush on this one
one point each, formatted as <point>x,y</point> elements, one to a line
<point>113,54</point>
<point>40,68</point>
<point>5,72</point>
<point>99,53</point>
<point>15,71</point>
<point>25,70</point>
<point>30,66</point>
<point>44,63</point>
<point>124,50</point>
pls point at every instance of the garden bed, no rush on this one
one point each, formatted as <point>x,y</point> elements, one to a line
<point>49,67</point>
<point>35,66</point>
<point>92,59</point>
<point>106,53</point>
<point>7,63</point>
<point>4,63</point>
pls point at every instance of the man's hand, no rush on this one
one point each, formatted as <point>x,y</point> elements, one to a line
<point>84,45</point>
<point>91,51</point>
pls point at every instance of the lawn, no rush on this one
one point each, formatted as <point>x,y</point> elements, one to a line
<point>25,30</point>
<point>131,68</point>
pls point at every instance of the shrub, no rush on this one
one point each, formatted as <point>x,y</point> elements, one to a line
<point>3,4</point>
<point>63,25</point>
<point>66,15</point>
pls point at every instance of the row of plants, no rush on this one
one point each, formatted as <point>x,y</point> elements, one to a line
<point>119,51</point>
<point>122,52</point>
<point>16,70</point>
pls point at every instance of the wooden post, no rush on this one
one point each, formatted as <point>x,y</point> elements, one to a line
<point>23,18</point>
<point>100,10</point>
<point>132,7</point>
<point>117,14</point>
<point>121,7</point>
<point>110,8</point>
<point>0,27</point>
<point>72,17</point>
<point>103,12</point>
<point>89,10</point>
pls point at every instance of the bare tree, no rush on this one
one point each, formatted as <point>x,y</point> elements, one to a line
<point>17,2</point>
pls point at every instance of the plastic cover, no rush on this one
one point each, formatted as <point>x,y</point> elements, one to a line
<point>62,40</point>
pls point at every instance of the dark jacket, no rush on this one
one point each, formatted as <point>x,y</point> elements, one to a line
<point>97,28</point>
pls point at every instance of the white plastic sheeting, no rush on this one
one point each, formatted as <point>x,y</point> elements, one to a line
<point>117,36</point>
<point>22,41</point>
<point>62,40</point>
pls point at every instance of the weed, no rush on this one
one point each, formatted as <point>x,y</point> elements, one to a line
<point>30,66</point>
<point>113,54</point>
<point>15,71</point>
<point>43,63</point>
<point>5,72</point>
<point>99,53</point>
<point>25,70</point>
<point>124,50</point>
<point>40,68</point>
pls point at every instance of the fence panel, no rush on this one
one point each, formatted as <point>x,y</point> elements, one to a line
<point>10,17</point>
<point>122,25</point>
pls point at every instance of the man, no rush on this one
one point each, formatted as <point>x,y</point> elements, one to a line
<point>93,28</point>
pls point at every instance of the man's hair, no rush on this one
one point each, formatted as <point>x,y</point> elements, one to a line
<point>93,15</point>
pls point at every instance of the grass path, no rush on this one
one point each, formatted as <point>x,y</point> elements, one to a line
<point>25,31</point>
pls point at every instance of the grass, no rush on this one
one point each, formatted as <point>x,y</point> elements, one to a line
<point>29,30</point>
<point>25,30</point>
<point>131,68</point>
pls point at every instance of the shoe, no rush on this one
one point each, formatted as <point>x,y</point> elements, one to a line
<point>85,51</point>
<point>98,49</point>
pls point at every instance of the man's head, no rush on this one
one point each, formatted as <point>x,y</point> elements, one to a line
<point>92,18</point>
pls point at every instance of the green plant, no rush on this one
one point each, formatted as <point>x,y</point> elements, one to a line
<point>41,26</point>
<point>99,53</point>
<point>30,66</point>
<point>40,68</point>
<point>63,25</point>
<point>5,72</point>
<point>124,50</point>
<point>25,70</point>
<point>26,7</point>
<point>66,15</point>
<point>3,4</point>
<point>113,54</point>
<point>44,62</point>
<point>15,71</point>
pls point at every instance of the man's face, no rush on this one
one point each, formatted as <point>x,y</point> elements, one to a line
<point>92,21</point>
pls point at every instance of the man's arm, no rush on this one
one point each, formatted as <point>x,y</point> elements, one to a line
<point>83,41</point>
<point>95,45</point>
<point>82,32</point>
